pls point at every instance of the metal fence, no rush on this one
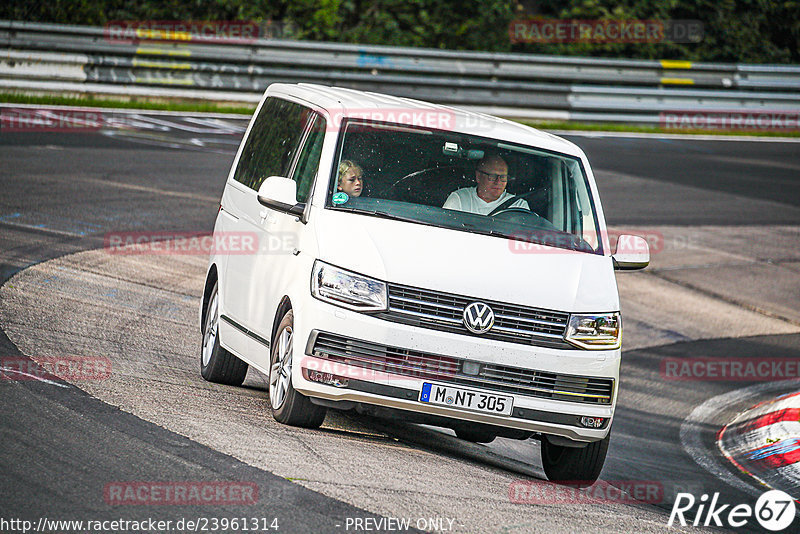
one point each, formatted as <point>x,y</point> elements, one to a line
<point>80,59</point>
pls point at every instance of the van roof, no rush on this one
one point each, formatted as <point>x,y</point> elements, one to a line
<point>363,104</point>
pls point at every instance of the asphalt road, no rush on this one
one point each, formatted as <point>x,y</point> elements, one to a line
<point>692,183</point>
<point>727,210</point>
<point>60,447</point>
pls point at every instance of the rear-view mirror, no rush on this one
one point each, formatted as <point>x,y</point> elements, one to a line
<point>632,253</point>
<point>280,193</point>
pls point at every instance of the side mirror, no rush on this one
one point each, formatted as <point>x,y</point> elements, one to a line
<point>280,193</point>
<point>632,253</point>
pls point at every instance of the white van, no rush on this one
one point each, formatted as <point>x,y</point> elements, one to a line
<point>419,261</point>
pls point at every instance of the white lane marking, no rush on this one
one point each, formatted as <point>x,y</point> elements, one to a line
<point>217,123</point>
<point>703,415</point>
<point>582,133</point>
<point>182,114</point>
<point>684,137</point>
<point>771,164</point>
<point>43,229</point>
<point>134,187</point>
<point>39,378</point>
<point>210,128</point>
<point>217,145</point>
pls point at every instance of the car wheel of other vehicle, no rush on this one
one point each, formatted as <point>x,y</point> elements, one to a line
<point>580,467</point>
<point>475,436</point>
<point>289,406</point>
<point>216,363</point>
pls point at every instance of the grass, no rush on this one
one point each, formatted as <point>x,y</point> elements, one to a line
<point>247,109</point>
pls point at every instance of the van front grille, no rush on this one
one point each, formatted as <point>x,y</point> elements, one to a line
<point>445,369</point>
<point>444,311</point>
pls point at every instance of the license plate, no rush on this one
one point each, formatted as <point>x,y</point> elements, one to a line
<point>468,399</point>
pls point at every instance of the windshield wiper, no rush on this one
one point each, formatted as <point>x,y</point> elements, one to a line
<point>562,240</point>
<point>482,231</point>
<point>384,215</point>
<point>556,239</point>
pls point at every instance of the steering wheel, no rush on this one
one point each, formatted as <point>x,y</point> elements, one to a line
<point>423,186</point>
<point>515,209</point>
<point>420,173</point>
<point>504,207</point>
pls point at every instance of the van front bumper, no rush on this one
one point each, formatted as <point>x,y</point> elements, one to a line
<point>349,356</point>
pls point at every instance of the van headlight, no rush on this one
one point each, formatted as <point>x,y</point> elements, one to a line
<point>597,331</point>
<point>347,289</point>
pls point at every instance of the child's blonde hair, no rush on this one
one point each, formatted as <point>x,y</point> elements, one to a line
<point>344,166</point>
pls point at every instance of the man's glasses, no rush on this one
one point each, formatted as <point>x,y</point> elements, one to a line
<point>502,178</point>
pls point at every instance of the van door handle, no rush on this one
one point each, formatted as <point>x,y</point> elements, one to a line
<point>263,214</point>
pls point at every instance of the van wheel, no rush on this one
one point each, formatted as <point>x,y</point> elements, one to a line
<point>217,364</point>
<point>579,467</point>
<point>475,436</point>
<point>288,406</point>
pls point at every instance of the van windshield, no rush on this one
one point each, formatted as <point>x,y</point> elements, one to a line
<point>466,183</point>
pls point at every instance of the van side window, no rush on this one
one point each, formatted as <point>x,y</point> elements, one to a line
<point>272,143</point>
<point>308,162</point>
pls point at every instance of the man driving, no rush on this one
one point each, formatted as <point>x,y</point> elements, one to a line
<point>491,176</point>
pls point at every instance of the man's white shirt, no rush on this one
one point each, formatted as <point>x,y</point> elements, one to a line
<point>467,199</point>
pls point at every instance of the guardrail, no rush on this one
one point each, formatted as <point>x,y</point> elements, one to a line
<point>81,59</point>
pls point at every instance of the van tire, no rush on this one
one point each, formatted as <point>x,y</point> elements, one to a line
<point>576,466</point>
<point>217,364</point>
<point>288,406</point>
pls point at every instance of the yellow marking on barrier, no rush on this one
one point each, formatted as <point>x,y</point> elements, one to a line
<point>675,64</point>
<point>165,81</point>
<point>160,64</point>
<point>677,81</point>
<point>163,51</point>
<point>163,35</point>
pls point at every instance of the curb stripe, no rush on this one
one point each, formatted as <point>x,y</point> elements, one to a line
<point>763,441</point>
<point>775,455</point>
<point>787,414</point>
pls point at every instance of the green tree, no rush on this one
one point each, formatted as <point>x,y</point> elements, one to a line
<point>755,31</point>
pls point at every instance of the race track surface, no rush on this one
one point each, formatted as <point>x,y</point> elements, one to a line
<point>722,283</point>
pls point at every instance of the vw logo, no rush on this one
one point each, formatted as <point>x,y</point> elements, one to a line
<point>478,318</point>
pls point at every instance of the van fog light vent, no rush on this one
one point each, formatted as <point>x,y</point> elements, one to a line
<point>592,422</point>
<point>326,378</point>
